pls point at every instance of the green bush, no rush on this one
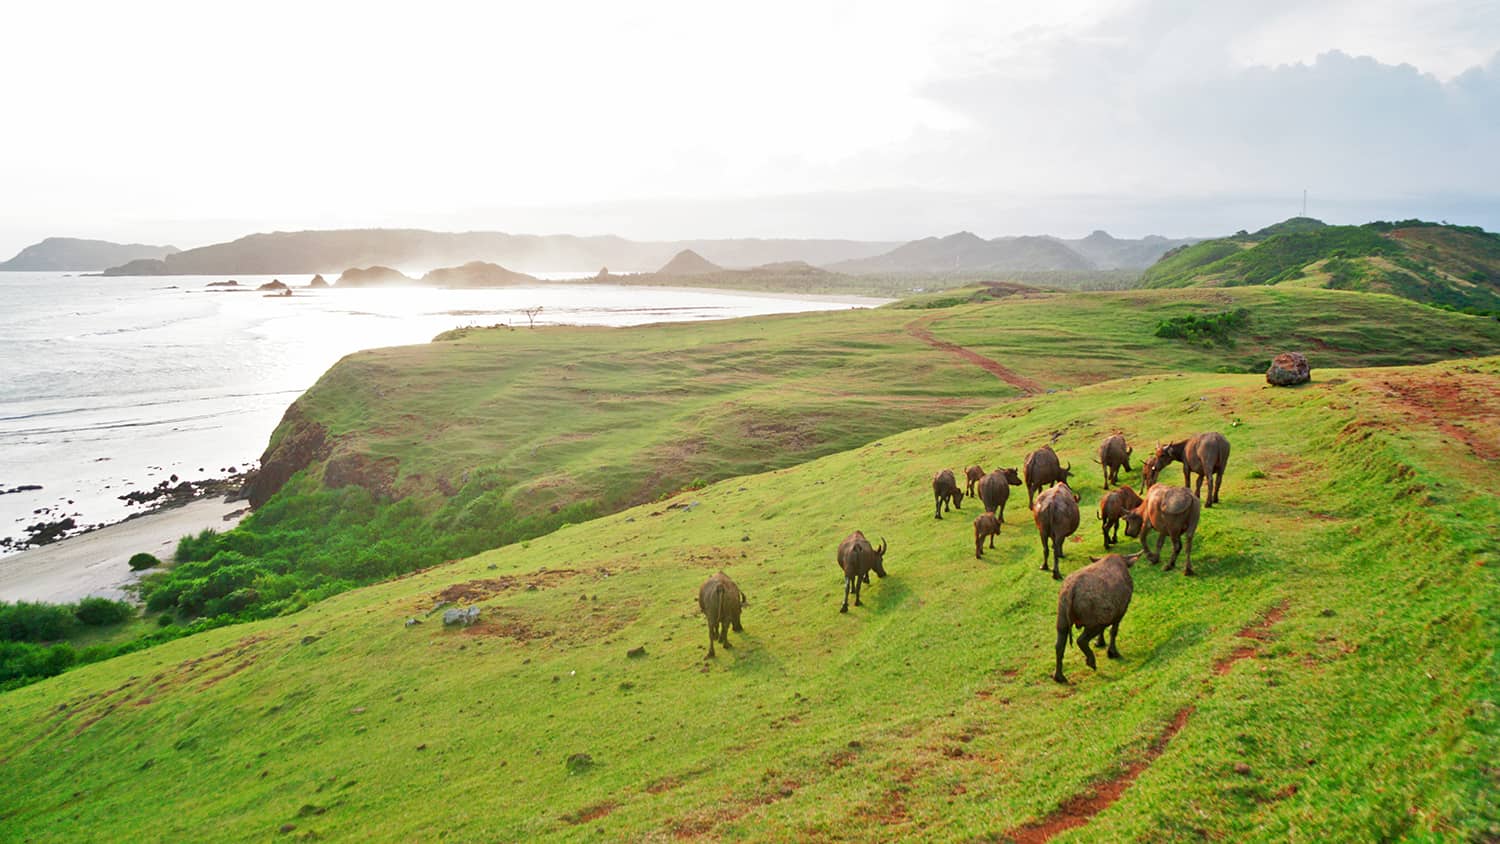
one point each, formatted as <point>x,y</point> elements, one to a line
<point>1219,327</point>
<point>27,621</point>
<point>96,612</point>
<point>143,561</point>
<point>23,662</point>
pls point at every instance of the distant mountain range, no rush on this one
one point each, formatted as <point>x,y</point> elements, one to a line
<point>967,252</point>
<point>72,254</point>
<point>1439,264</point>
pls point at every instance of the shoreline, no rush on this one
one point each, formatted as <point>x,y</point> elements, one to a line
<point>97,562</point>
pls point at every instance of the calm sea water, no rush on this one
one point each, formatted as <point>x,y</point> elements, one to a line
<point>112,384</point>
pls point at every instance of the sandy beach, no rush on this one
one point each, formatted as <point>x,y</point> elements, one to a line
<point>97,563</point>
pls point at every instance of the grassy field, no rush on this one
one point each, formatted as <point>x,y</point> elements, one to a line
<point>1329,675</point>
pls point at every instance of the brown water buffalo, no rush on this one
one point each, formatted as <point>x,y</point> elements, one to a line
<point>1205,455</point>
<point>721,602</point>
<point>972,475</point>
<point>857,558</point>
<point>994,490</point>
<point>945,491</point>
<point>1171,511</point>
<point>1056,516</point>
<point>985,525</point>
<point>1094,598</point>
<point>1150,468</point>
<point>1113,454</point>
<point>1042,469</point>
<point>1112,508</point>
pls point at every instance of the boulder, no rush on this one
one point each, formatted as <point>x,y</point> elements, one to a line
<point>318,281</point>
<point>1287,369</point>
<point>460,616</point>
<point>274,284</point>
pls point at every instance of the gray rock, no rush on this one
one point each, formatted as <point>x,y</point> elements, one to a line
<point>1287,369</point>
<point>413,622</point>
<point>460,616</point>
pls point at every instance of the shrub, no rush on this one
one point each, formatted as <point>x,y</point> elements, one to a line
<point>96,612</point>
<point>1204,327</point>
<point>143,561</point>
<point>26,621</point>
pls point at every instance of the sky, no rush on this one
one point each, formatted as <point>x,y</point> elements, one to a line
<point>190,122</point>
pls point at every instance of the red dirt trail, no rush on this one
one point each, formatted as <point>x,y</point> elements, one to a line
<point>918,329</point>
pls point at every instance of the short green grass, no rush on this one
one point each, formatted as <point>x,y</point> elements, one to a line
<point>1361,503</point>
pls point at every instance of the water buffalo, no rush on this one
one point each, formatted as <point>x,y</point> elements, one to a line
<point>985,525</point>
<point>972,475</point>
<point>1112,508</point>
<point>945,490</point>
<point>721,602</point>
<point>1171,511</point>
<point>1205,455</point>
<point>1093,598</point>
<point>1113,454</point>
<point>1042,469</point>
<point>857,558</point>
<point>994,490</point>
<point>1056,516</point>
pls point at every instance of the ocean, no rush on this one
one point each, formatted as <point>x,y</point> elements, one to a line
<point>109,385</point>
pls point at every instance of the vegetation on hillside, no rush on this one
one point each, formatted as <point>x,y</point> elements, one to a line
<point>1456,267</point>
<point>1276,696</point>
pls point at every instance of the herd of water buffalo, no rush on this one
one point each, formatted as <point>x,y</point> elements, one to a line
<point>1092,599</point>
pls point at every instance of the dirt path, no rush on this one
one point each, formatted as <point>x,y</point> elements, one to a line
<point>1081,808</point>
<point>919,329</point>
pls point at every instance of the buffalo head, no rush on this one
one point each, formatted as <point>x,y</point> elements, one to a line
<point>1133,523</point>
<point>1012,477</point>
<point>879,564</point>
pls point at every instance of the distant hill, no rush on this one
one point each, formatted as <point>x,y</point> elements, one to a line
<point>688,262</point>
<point>376,276</point>
<point>476,274</point>
<point>72,254</point>
<point>331,251</point>
<point>1453,266</point>
<point>967,252</point>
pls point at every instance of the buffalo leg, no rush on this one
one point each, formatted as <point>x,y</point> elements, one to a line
<point>979,546</point>
<point>1083,645</point>
<point>937,506</point>
<point>1187,474</point>
<point>1056,555</point>
<point>1001,513</point>
<point>710,640</point>
<point>1046,549</point>
<point>1161,539</point>
<point>1176,550</point>
<point>1218,484</point>
<point>1105,529</point>
<point>1189,569</point>
<point>845,607</point>
<point>1113,652</point>
<point>724,634</point>
<point>1062,646</point>
<point>1099,642</point>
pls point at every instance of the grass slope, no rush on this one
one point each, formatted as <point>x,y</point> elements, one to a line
<point>1449,266</point>
<point>1356,541</point>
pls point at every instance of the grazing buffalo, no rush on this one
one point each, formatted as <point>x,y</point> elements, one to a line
<point>1114,453</point>
<point>857,558</point>
<point>1056,516</point>
<point>994,490</point>
<point>1205,455</point>
<point>1171,511</point>
<point>1043,469</point>
<point>1093,598</point>
<point>985,525</point>
<point>945,491</point>
<point>972,475</point>
<point>721,602</point>
<point>1112,508</point>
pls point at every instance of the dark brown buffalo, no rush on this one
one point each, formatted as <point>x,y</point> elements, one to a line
<point>857,558</point>
<point>994,490</point>
<point>972,475</point>
<point>1171,511</point>
<point>1043,469</point>
<point>945,491</point>
<point>721,602</point>
<point>1093,598</point>
<point>1114,453</point>
<point>1112,508</point>
<point>1056,515</point>
<point>985,525</point>
<point>1205,455</point>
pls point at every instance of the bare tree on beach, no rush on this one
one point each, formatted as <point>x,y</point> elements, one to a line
<point>531,315</point>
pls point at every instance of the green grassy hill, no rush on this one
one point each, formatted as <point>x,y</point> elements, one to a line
<point>1451,266</point>
<point>1329,675</point>
<point>495,436</point>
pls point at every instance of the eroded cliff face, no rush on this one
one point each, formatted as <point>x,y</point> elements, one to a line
<point>298,443</point>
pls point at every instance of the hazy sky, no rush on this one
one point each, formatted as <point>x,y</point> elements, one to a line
<point>192,122</point>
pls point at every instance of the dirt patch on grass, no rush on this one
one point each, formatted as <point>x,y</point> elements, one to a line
<point>1448,402</point>
<point>474,591</point>
<point>1080,809</point>
<point>1258,630</point>
<point>589,813</point>
<point>919,329</point>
